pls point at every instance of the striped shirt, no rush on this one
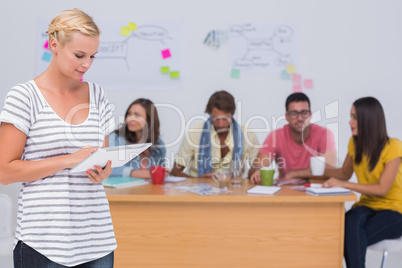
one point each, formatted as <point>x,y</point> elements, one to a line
<point>65,217</point>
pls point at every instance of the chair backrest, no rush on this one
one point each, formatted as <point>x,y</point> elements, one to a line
<point>6,213</point>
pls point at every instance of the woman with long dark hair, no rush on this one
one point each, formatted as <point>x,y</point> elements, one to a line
<point>141,125</point>
<point>376,160</point>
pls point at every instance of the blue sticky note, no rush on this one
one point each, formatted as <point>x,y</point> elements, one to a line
<point>47,56</point>
<point>285,75</point>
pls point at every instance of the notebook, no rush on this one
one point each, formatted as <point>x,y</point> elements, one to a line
<point>327,191</point>
<point>121,182</point>
<point>259,189</point>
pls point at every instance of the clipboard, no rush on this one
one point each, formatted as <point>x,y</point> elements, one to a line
<point>119,155</point>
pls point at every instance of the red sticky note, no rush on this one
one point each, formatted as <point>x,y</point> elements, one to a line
<point>297,88</point>
<point>308,83</point>
<point>166,53</point>
<point>296,78</point>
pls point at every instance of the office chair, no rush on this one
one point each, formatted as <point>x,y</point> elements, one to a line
<point>6,234</point>
<point>386,246</point>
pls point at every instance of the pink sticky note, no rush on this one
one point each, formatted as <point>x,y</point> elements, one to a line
<point>46,45</point>
<point>308,83</point>
<point>296,78</point>
<point>166,53</point>
<point>297,88</point>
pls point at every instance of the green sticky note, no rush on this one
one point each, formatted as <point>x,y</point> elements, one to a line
<point>125,31</point>
<point>132,26</point>
<point>165,69</point>
<point>235,73</point>
<point>174,74</point>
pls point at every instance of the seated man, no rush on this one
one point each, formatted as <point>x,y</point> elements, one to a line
<point>213,145</point>
<point>292,146</point>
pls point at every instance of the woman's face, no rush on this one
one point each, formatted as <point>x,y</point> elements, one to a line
<point>136,118</point>
<point>353,121</point>
<point>75,57</point>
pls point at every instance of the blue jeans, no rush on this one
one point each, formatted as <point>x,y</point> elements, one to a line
<point>364,227</point>
<point>27,257</point>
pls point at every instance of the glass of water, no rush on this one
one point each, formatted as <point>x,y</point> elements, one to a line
<point>236,172</point>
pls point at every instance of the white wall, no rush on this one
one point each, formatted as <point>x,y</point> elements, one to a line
<point>350,48</point>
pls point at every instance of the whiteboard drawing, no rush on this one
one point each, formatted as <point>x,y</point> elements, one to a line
<point>120,50</point>
<point>261,47</point>
<point>132,60</point>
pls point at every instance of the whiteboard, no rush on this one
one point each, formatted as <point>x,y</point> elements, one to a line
<point>127,56</point>
<point>349,49</point>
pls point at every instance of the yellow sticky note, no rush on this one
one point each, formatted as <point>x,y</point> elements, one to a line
<point>174,74</point>
<point>125,31</point>
<point>132,26</point>
<point>291,69</point>
<point>165,69</point>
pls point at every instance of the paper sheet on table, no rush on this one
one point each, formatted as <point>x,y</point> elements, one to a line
<point>174,179</point>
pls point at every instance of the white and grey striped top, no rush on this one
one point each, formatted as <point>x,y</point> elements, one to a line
<point>64,216</point>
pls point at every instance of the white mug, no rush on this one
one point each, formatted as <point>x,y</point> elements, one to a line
<point>317,165</point>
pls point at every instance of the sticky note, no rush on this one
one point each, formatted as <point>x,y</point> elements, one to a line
<point>235,74</point>
<point>166,53</point>
<point>47,56</point>
<point>174,74</point>
<point>296,78</point>
<point>291,69</point>
<point>132,26</point>
<point>308,83</point>
<point>165,69</point>
<point>125,31</point>
<point>46,45</point>
<point>285,75</point>
<point>297,88</point>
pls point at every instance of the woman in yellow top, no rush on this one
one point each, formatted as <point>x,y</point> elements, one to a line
<point>376,160</point>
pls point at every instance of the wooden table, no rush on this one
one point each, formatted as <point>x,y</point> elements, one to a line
<point>159,226</point>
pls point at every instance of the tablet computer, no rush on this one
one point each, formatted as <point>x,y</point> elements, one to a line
<point>119,155</point>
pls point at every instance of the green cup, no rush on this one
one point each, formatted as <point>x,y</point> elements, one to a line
<point>267,177</point>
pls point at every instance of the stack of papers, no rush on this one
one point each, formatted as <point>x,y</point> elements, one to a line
<point>121,182</point>
<point>263,189</point>
<point>327,191</point>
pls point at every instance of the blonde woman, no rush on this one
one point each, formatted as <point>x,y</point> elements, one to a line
<point>48,125</point>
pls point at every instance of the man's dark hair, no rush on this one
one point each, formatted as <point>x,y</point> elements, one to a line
<point>296,97</point>
<point>221,100</point>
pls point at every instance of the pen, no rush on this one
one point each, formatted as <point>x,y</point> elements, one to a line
<point>313,185</point>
